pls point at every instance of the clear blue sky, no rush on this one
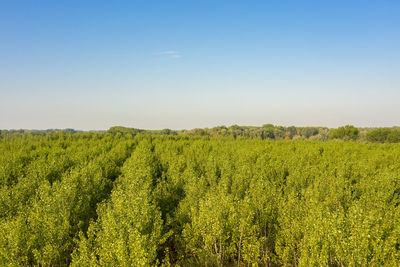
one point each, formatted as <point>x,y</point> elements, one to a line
<point>185,64</point>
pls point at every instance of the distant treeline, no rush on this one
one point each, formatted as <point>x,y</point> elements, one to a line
<point>266,131</point>
<point>28,131</point>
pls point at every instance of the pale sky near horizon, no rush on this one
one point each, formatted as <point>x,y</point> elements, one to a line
<point>188,64</point>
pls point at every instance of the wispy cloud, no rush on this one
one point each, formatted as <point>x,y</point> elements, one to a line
<point>170,54</point>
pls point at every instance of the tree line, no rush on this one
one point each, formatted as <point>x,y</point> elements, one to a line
<point>267,131</point>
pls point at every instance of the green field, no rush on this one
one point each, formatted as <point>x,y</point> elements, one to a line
<point>117,199</point>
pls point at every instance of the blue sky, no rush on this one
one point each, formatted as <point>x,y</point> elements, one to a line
<point>186,64</point>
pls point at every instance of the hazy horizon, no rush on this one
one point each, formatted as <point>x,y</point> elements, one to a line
<point>182,129</point>
<point>91,65</point>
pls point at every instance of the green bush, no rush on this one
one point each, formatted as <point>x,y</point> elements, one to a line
<point>348,132</point>
<point>382,135</point>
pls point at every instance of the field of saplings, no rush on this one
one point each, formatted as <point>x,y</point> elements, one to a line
<point>115,199</point>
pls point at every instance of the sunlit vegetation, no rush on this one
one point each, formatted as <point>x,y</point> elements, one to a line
<point>217,197</point>
<point>266,131</point>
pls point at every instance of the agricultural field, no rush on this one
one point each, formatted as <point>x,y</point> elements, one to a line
<point>121,199</point>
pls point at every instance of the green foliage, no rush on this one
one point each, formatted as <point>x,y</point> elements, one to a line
<point>348,132</point>
<point>138,199</point>
<point>266,131</point>
<point>382,135</point>
<point>129,228</point>
<point>50,187</point>
<point>124,130</point>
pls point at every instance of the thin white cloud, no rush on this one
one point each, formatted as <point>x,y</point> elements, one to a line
<point>170,54</point>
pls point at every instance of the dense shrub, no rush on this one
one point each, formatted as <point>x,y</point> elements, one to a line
<point>123,199</point>
<point>348,132</point>
<point>382,135</point>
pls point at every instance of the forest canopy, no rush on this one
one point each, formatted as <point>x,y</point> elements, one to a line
<point>128,197</point>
